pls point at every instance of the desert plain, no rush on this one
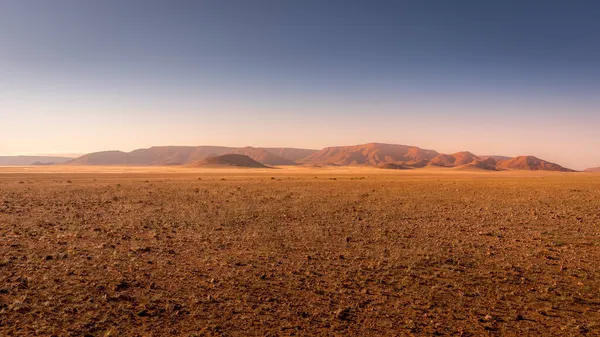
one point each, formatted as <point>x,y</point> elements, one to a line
<point>340,251</point>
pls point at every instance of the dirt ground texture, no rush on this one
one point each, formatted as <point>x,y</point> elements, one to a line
<point>299,253</point>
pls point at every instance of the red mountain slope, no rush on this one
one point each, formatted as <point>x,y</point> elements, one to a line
<point>530,163</point>
<point>371,154</point>
<point>455,159</point>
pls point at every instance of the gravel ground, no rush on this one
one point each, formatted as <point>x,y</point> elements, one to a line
<point>299,254</point>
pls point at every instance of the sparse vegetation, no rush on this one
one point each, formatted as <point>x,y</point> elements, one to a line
<point>374,252</point>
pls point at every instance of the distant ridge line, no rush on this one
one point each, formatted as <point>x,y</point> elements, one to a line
<point>391,156</point>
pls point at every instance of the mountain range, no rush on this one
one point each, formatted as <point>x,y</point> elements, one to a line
<point>406,157</point>
<point>372,154</point>
<point>182,155</point>
<point>391,156</point>
<point>32,160</point>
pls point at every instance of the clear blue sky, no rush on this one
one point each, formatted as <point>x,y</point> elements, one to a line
<point>502,77</point>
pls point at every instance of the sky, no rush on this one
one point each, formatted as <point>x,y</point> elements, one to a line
<point>491,77</point>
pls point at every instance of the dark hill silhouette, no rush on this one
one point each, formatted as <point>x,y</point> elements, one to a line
<point>228,160</point>
<point>264,156</point>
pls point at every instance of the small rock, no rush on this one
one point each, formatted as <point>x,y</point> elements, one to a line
<point>342,314</point>
<point>122,285</point>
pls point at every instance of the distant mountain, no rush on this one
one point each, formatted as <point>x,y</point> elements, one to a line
<point>405,157</point>
<point>181,155</point>
<point>39,163</point>
<point>31,160</point>
<point>592,169</point>
<point>494,157</point>
<point>530,163</point>
<point>451,160</point>
<point>292,154</point>
<point>227,160</point>
<point>157,155</point>
<point>390,156</point>
<point>479,164</point>
<point>372,154</point>
<point>264,156</point>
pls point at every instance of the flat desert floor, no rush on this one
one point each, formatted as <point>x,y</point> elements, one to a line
<point>121,251</point>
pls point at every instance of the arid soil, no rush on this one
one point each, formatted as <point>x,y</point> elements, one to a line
<point>299,252</point>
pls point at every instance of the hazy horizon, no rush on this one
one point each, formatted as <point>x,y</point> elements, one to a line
<point>494,79</point>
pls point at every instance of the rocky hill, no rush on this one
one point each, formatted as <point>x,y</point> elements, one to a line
<point>530,163</point>
<point>227,160</point>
